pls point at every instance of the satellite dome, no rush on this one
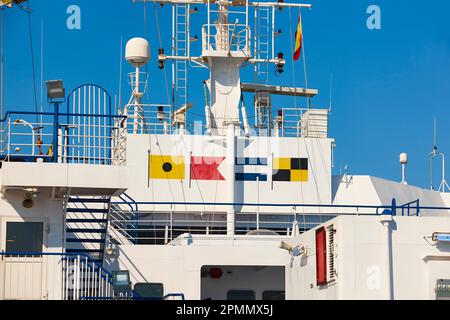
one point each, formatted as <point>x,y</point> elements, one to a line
<point>137,52</point>
<point>403,158</point>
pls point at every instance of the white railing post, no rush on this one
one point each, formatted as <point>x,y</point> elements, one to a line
<point>77,278</point>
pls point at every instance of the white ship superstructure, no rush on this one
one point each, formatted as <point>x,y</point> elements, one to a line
<point>140,203</point>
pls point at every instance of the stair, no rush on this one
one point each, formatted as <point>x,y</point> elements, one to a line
<point>86,225</point>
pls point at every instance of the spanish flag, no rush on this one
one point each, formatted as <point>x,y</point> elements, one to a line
<point>298,38</point>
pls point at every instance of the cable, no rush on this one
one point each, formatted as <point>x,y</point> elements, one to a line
<point>30,33</point>
<point>25,9</point>
<point>158,30</point>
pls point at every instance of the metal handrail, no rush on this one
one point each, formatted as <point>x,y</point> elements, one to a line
<point>135,212</point>
<point>356,206</point>
<point>285,220</point>
<point>66,254</point>
<point>407,206</point>
<point>92,141</point>
<point>81,273</point>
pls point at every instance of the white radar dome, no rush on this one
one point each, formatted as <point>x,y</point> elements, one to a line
<point>403,158</point>
<point>137,52</point>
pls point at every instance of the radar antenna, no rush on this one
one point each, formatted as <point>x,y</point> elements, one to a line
<point>443,186</point>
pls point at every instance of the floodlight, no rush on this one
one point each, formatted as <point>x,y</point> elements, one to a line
<point>55,90</point>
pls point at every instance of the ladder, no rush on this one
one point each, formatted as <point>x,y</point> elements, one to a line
<point>262,42</point>
<point>181,49</point>
<point>86,224</point>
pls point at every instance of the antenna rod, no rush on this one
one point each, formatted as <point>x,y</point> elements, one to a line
<point>331,92</point>
<point>435,145</point>
<point>433,153</point>
<point>120,74</point>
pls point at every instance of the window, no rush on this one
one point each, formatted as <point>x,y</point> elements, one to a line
<point>273,295</point>
<point>241,295</point>
<point>22,237</point>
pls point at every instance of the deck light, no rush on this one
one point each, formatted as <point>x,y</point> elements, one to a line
<point>441,237</point>
<point>293,251</point>
<point>280,62</point>
<point>28,201</point>
<point>161,58</point>
<point>161,115</point>
<point>55,90</point>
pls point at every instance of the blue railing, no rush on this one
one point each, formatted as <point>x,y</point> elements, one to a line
<point>407,208</point>
<point>134,214</point>
<point>85,138</point>
<point>81,129</point>
<point>250,204</point>
<point>275,217</point>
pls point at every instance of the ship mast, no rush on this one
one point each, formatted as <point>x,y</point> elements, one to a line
<point>226,48</point>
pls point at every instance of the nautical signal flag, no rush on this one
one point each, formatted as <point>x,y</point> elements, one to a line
<point>290,169</point>
<point>166,167</point>
<point>298,38</point>
<point>206,168</point>
<point>251,169</point>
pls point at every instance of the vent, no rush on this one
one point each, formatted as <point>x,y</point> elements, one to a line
<point>331,250</point>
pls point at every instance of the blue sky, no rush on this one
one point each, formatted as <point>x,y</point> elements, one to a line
<point>388,83</point>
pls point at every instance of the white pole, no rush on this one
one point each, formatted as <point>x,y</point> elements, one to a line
<point>443,184</point>
<point>443,172</point>
<point>208,33</point>
<point>273,32</point>
<point>386,220</point>
<point>137,82</point>
<point>403,174</point>
<point>60,146</point>
<point>245,120</point>
<point>208,119</point>
<point>257,208</point>
<point>231,156</point>
<point>137,101</point>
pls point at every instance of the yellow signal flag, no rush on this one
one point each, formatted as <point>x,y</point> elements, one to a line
<point>290,169</point>
<point>299,175</point>
<point>166,167</point>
